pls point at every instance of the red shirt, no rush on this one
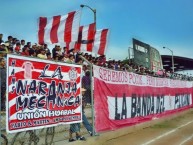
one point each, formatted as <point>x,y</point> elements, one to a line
<point>25,53</point>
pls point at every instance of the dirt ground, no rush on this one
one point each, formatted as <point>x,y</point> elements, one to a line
<point>178,131</point>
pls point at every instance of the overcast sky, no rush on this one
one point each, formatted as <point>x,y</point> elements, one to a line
<point>159,23</point>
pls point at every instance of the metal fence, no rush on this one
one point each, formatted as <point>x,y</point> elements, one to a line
<point>53,135</point>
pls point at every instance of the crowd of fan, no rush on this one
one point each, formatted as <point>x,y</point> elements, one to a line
<point>20,47</point>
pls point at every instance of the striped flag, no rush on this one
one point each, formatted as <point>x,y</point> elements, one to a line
<point>100,42</point>
<point>86,38</point>
<point>90,40</point>
<point>59,29</point>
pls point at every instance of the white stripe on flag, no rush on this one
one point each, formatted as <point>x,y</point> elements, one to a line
<point>47,31</point>
<point>61,28</point>
<point>100,42</point>
<point>97,41</point>
<point>76,25</point>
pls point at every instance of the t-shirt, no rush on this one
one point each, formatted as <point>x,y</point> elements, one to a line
<point>42,56</point>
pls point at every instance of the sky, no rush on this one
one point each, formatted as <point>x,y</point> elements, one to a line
<point>158,23</point>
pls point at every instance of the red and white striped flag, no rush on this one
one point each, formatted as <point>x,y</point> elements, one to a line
<point>100,42</point>
<point>90,40</point>
<point>86,38</point>
<point>59,29</point>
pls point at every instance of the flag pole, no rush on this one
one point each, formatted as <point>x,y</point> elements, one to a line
<point>94,11</point>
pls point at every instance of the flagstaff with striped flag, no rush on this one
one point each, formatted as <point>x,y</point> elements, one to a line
<point>86,38</point>
<point>66,29</point>
<point>91,42</point>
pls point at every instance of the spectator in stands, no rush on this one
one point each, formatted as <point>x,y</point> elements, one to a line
<point>64,50</point>
<point>25,51</point>
<point>55,52</point>
<point>2,47</point>
<point>9,41</point>
<point>84,69</point>
<point>61,58</point>
<point>49,56</point>
<point>56,58</point>
<point>32,50</point>
<point>37,49</point>
<point>17,48</point>
<point>3,50</point>
<point>42,54</point>
<point>72,51</point>
<point>3,82</point>
<point>32,53</point>
<point>95,62</point>
<point>7,47</point>
<point>116,64</point>
<point>60,51</point>
<point>76,56</point>
<point>142,70</point>
<point>86,84</point>
<point>1,38</point>
<point>46,48</point>
<point>22,45</point>
<point>10,50</point>
<point>80,61</point>
<point>70,59</point>
<point>29,44</point>
<point>14,41</point>
<point>65,57</point>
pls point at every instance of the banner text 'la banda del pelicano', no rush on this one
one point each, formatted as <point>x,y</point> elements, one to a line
<point>125,98</point>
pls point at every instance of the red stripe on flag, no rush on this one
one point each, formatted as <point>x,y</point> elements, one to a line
<point>67,46</point>
<point>103,42</point>
<point>68,27</point>
<point>42,25</point>
<point>91,34</point>
<point>54,29</point>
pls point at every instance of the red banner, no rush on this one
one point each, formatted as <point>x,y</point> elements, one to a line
<point>41,93</point>
<point>124,98</point>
